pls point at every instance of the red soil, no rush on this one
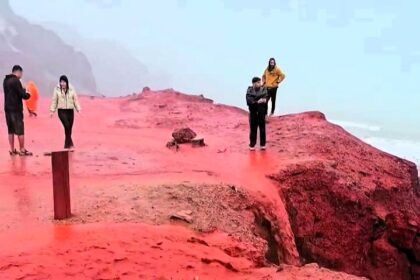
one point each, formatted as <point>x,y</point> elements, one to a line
<point>119,230</point>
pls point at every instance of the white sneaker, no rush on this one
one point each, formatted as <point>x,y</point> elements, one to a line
<point>252,148</point>
<point>263,148</point>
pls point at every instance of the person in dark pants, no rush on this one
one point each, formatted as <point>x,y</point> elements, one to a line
<point>256,99</point>
<point>65,101</point>
<point>14,93</point>
<point>272,78</point>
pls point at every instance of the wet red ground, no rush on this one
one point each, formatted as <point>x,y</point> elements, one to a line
<point>120,143</point>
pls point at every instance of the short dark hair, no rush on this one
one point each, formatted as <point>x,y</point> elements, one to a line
<point>16,68</point>
<point>255,79</point>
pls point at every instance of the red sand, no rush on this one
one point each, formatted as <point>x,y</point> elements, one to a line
<point>120,142</point>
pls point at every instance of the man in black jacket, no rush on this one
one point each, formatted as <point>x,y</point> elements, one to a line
<point>256,98</point>
<point>14,93</point>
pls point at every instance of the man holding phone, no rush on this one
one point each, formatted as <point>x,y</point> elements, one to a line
<point>256,99</point>
<point>14,93</point>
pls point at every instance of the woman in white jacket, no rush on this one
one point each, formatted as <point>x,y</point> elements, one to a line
<point>65,101</point>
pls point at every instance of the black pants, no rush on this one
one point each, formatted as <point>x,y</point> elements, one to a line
<point>67,118</point>
<point>257,120</point>
<point>272,94</point>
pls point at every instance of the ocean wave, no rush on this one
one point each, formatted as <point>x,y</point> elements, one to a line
<point>407,149</point>
<point>347,124</point>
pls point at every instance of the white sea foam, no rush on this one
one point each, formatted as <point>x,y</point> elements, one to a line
<point>373,135</point>
<point>403,148</point>
<point>350,125</point>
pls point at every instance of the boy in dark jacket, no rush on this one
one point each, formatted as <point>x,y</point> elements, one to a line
<point>14,93</point>
<point>256,98</point>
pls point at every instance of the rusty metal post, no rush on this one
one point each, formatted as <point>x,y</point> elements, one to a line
<point>61,184</point>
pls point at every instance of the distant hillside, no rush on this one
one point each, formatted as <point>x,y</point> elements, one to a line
<point>121,72</point>
<point>42,54</point>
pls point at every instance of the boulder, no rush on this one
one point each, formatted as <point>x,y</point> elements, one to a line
<point>183,135</point>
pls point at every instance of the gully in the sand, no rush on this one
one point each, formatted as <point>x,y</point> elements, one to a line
<point>256,99</point>
<point>65,101</point>
<point>14,93</point>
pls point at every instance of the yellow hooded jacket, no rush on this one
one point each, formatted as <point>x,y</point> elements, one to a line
<point>273,78</point>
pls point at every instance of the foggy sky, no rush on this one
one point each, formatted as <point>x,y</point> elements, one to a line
<point>354,60</point>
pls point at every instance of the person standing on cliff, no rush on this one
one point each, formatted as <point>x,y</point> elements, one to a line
<point>272,78</point>
<point>65,101</point>
<point>14,93</point>
<point>256,99</point>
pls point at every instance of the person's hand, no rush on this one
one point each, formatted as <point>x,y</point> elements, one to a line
<point>262,100</point>
<point>51,114</point>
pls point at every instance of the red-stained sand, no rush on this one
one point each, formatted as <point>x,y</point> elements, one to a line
<point>125,184</point>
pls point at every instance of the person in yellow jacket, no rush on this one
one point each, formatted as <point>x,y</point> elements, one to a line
<point>272,77</point>
<point>65,101</point>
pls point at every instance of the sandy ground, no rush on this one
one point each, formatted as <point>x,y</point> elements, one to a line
<point>125,185</point>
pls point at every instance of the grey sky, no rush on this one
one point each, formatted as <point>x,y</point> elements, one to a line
<point>354,60</point>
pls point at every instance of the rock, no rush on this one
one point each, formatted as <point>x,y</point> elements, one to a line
<point>197,241</point>
<point>228,266</point>
<point>198,142</point>
<point>145,89</point>
<point>312,265</point>
<point>235,251</point>
<point>383,254</point>
<point>415,271</point>
<point>183,135</point>
<point>172,145</point>
<point>416,248</point>
<point>401,233</point>
<point>184,215</point>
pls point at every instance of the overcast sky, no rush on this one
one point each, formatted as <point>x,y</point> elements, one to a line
<point>354,60</point>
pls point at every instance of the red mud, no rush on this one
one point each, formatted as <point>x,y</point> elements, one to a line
<point>121,144</point>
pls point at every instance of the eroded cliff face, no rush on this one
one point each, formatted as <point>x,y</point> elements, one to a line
<point>42,54</point>
<point>352,207</point>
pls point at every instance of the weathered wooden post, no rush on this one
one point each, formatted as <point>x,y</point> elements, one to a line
<point>61,184</point>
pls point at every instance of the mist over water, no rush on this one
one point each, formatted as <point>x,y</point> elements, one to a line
<point>374,135</point>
